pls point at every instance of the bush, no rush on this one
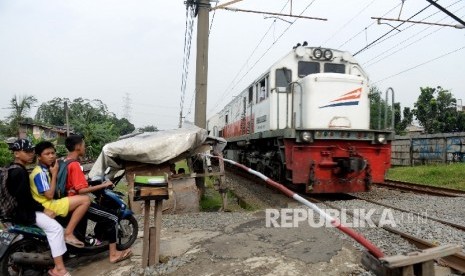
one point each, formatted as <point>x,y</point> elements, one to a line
<point>5,155</point>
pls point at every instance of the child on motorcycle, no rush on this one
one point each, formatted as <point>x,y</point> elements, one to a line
<point>43,179</point>
<point>28,211</point>
<point>76,184</point>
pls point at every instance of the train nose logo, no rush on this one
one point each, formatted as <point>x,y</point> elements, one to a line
<point>350,98</point>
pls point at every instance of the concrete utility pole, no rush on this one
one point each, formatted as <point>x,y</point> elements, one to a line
<point>201,74</point>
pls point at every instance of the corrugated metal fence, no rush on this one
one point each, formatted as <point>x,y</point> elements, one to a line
<point>428,149</point>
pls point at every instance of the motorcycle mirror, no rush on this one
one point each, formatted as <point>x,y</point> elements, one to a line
<point>107,171</point>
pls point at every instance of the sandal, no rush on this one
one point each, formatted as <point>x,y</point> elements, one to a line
<point>124,256</point>
<point>75,242</point>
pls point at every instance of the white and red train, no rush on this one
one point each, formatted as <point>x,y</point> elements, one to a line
<point>305,121</point>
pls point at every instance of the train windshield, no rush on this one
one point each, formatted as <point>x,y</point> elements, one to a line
<point>335,68</point>
<point>306,68</point>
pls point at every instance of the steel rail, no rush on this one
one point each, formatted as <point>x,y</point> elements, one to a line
<point>420,188</point>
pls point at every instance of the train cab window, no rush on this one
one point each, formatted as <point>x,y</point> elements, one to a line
<point>262,90</point>
<point>306,68</point>
<point>251,94</point>
<point>283,78</point>
<point>226,119</point>
<point>335,68</point>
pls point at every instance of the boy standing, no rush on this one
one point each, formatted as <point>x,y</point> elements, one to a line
<point>43,181</point>
<point>76,184</point>
<point>28,211</point>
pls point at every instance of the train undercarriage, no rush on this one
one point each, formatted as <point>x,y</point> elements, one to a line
<point>327,165</point>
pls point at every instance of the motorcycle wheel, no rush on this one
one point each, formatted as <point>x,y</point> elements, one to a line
<point>8,268</point>
<point>127,232</point>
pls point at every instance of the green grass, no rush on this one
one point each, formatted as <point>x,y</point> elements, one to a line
<point>448,176</point>
<point>210,201</point>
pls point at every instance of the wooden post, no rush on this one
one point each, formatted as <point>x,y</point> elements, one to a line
<point>222,188</point>
<point>154,257</point>
<point>146,242</point>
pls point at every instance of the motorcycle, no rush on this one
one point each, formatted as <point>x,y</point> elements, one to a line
<point>24,250</point>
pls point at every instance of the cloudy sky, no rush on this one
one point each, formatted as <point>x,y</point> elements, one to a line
<point>104,49</point>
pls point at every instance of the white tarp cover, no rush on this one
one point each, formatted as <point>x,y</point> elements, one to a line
<point>151,147</point>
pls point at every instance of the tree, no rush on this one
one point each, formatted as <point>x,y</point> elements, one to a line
<point>52,112</point>
<point>20,105</point>
<point>4,129</point>
<point>436,110</point>
<point>402,121</point>
<point>123,126</point>
<point>5,154</point>
<point>90,118</point>
<point>378,107</point>
<point>148,129</point>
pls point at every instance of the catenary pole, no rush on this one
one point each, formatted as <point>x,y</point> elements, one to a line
<point>201,74</point>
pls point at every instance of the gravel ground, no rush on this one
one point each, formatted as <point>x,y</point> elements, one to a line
<point>445,208</point>
<point>392,244</point>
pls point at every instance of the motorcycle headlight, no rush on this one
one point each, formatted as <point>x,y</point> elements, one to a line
<point>381,138</point>
<point>306,136</point>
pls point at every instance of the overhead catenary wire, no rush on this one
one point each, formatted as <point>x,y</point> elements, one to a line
<point>248,59</point>
<point>399,46</point>
<point>421,64</point>
<point>410,26</point>
<point>390,31</point>
<point>365,28</point>
<point>347,23</point>
<point>259,59</point>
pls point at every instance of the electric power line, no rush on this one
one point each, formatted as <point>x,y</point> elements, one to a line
<point>249,57</point>
<point>209,31</point>
<point>348,22</point>
<point>410,26</point>
<point>365,28</point>
<point>266,51</point>
<point>388,53</point>
<point>190,14</point>
<point>390,31</point>
<point>421,64</point>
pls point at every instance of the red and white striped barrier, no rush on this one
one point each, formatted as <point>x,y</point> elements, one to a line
<point>373,249</point>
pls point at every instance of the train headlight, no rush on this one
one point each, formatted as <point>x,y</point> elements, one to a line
<point>306,136</point>
<point>317,53</point>
<point>328,54</point>
<point>381,138</point>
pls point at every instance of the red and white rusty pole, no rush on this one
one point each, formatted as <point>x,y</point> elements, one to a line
<point>373,249</point>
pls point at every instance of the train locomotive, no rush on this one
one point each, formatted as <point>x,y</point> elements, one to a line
<point>306,122</point>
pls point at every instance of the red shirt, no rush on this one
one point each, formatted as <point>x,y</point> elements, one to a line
<point>76,179</point>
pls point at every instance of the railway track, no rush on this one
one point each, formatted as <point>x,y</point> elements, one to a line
<point>456,261</point>
<point>448,223</point>
<point>420,188</point>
